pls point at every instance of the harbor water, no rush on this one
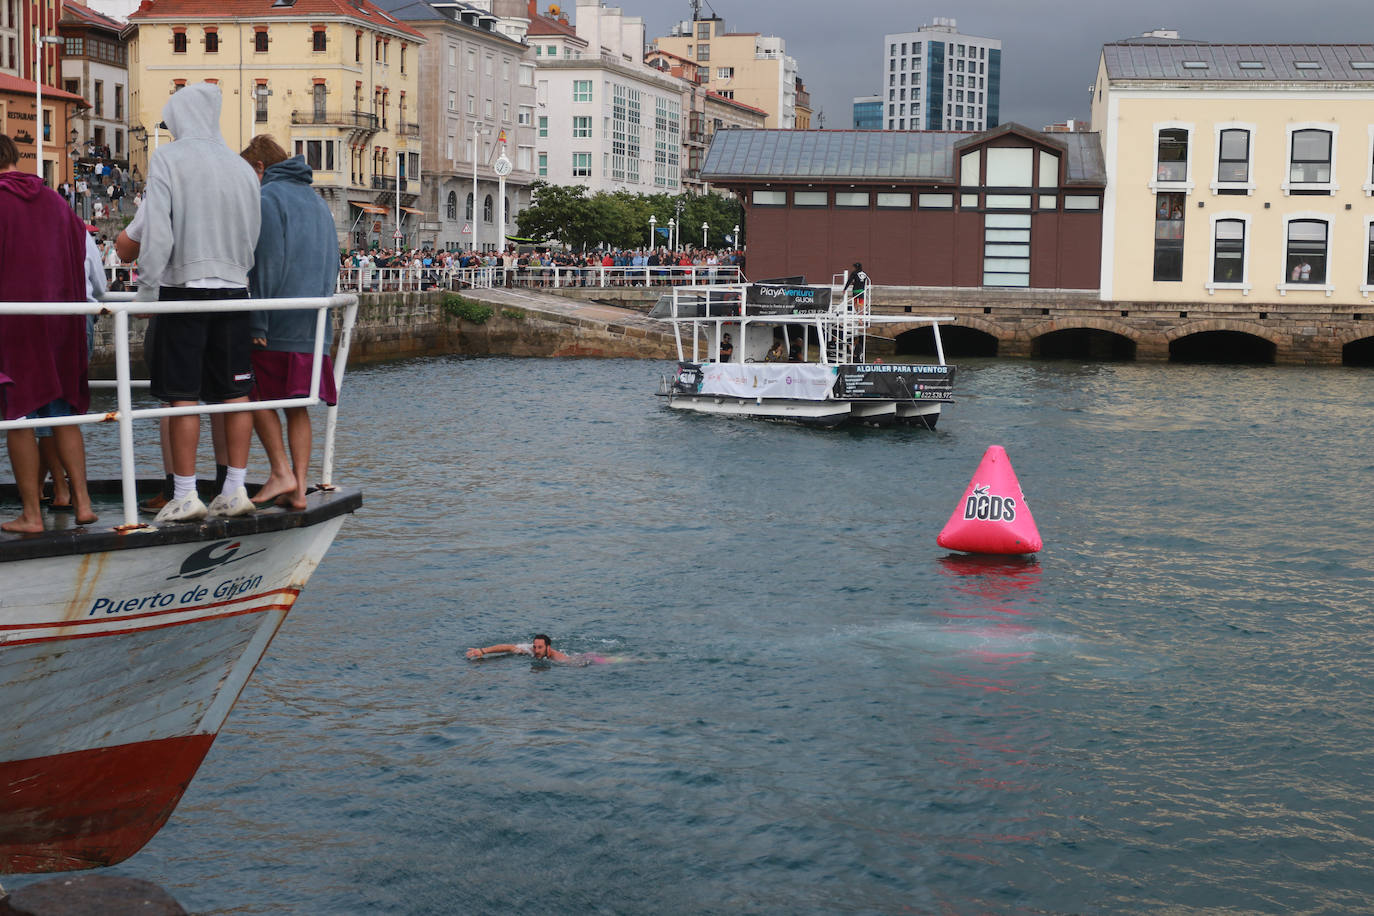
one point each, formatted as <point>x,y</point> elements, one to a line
<point>806,706</point>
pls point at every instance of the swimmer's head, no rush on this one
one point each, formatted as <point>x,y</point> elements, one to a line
<point>541,646</point>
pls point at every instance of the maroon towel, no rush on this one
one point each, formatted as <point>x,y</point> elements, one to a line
<point>42,259</point>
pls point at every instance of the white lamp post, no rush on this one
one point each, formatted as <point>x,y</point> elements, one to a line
<point>734,239</point>
<point>704,227</point>
<point>477,131</point>
<point>672,229</point>
<point>653,239</point>
<point>38,41</point>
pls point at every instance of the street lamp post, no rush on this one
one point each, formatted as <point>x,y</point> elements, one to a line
<point>734,238</point>
<point>39,40</point>
<point>672,230</point>
<point>653,239</point>
<point>704,228</point>
<point>477,131</point>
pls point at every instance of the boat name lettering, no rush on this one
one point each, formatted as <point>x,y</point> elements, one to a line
<point>229,588</point>
<point>981,505</point>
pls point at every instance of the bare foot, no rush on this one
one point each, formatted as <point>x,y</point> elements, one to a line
<point>90,518</point>
<point>273,489</point>
<point>23,525</point>
<point>291,501</point>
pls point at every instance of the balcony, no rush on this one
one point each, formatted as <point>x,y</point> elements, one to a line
<point>388,183</point>
<point>336,119</point>
<point>407,129</point>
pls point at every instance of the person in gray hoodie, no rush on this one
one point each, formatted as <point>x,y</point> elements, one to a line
<point>200,222</point>
<point>297,256</point>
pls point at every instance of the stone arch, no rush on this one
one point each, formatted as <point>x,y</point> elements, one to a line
<point>1109,325</point>
<point>1203,325</point>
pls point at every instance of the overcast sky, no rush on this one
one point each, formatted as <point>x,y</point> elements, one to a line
<point>1050,48</point>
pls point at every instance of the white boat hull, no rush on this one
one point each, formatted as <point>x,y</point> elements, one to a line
<point>117,670</point>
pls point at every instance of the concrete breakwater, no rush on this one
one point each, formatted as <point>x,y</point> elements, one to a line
<point>521,323</point>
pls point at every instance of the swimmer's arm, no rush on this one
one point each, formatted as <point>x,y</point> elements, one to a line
<point>559,656</point>
<point>488,650</point>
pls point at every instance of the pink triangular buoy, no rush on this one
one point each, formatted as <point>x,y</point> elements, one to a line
<point>992,516</point>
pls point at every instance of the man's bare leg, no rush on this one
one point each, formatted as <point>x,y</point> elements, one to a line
<point>281,481</point>
<point>71,447</point>
<point>23,449</point>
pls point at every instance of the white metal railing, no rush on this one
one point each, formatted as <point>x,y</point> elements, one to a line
<point>120,305</point>
<point>550,276</point>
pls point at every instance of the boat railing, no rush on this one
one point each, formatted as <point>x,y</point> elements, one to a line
<point>121,306</point>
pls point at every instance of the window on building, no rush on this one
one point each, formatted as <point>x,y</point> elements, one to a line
<point>212,42</point>
<point>1169,210</point>
<point>468,213</point>
<point>543,125</point>
<point>1006,249</point>
<point>260,110</point>
<point>319,94</point>
<point>582,165</point>
<point>72,48</point>
<point>1306,262</point>
<point>487,65</point>
<point>1369,261</point>
<point>1228,251</point>
<point>472,60</point>
<point>1233,158</point>
<point>260,41</point>
<point>487,207</point>
<point>525,116</point>
<point>704,31</point>
<point>451,206</point>
<point>1172,155</point>
<point>179,42</point>
<point>582,90</point>
<point>99,98</point>
<point>318,39</point>
<point>1311,157</point>
<point>703,52</point>
<point>543,165</point>
<point>725,73</point>
<point>357,46</point>
<point>582,126</point>
<point>452,101</point>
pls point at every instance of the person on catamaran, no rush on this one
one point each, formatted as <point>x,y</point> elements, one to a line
<point>540,648</point>
<point>858,281</point>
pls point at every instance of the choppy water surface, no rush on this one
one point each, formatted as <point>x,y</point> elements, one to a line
<point>813,708</point>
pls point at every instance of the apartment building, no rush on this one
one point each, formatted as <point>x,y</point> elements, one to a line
<point>939,79</point>
<point>334,80</point>
<point>605,119</point>
<point>1237,172</point>
<point>747,66</point>
<point>95,67</point>
<point>477,103</point>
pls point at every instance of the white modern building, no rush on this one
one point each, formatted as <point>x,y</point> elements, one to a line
<point>604,118</point>
<point>938,79</point>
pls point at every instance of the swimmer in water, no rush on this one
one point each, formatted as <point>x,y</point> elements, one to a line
<point>540,648</point>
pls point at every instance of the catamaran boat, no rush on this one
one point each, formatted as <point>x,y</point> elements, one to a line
<point>124,646</point>
<point>786,351</point>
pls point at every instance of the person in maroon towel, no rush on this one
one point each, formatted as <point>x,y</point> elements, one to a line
<point>42,357</point>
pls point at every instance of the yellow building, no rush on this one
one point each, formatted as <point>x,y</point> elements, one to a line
<point>747,67</point>
<point>332,80</point>
<point>1236,172</point>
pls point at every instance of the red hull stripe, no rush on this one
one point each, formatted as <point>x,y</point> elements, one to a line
<point>91,808</point>
<point>153,626</point>
<point>292,591</point>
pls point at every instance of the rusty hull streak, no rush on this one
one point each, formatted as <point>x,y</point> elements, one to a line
<point>87,580</point>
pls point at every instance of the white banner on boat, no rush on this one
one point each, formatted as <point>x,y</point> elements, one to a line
<point>805,381</point>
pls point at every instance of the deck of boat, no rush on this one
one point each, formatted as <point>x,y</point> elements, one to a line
<point>64,537</point>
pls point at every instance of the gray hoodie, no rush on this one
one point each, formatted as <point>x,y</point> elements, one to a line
<point>201,213</point>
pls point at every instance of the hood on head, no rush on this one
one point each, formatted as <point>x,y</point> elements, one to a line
<point>293,169</point>
<point>194,112</point>
<point>23,185</point>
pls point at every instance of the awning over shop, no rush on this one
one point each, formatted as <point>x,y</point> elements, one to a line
<point>369,208</point>
<point>413,210</point>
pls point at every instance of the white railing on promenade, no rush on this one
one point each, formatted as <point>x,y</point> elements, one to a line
<point>121,305</point>
<point>403,279</point>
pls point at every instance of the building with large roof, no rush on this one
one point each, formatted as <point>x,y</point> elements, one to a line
<point>334,80</point>
<point>1236,172</point>
<point>1009,207</point>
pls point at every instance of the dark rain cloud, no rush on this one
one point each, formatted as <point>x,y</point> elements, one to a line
<point>1050,48</point>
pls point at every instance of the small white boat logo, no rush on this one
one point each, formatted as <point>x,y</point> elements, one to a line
<point>211,557</point>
